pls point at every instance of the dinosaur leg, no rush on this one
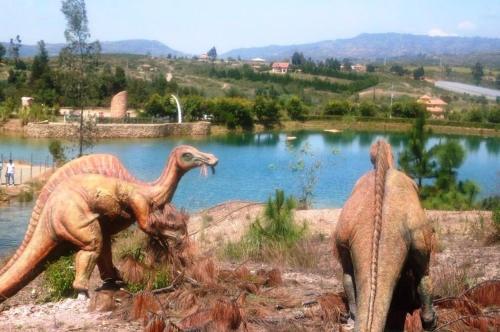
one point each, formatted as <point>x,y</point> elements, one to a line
<point>348,280</point>
<point>109,273</point>
<point>424,289</point>
<point>87,235</point>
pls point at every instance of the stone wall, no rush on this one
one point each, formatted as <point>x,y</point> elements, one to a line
<point>66,130</point>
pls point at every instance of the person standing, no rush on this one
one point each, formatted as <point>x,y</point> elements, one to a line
<point>9,174</point>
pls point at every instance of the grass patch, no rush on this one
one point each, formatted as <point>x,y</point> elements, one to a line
<point>58,278</point>
<point>275,237</point>
<point>451,280</point>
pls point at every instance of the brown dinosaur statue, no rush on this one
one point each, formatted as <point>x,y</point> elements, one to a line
<point>384,241</point>
<point>83,204</point>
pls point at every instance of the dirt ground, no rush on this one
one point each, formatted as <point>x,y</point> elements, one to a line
<point>463,252</point>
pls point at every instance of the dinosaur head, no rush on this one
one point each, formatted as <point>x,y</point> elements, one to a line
<point>385,151</point>
<point>188,157</point>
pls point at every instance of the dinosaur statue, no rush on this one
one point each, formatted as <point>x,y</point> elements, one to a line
<point>384,242</point>
<point>83,204</point>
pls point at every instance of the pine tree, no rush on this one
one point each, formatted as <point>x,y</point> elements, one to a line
<point>416,160</point>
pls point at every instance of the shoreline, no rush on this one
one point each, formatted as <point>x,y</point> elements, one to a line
<point>393,126</point>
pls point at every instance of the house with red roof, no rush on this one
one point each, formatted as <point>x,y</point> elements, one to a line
<point>280,67</point>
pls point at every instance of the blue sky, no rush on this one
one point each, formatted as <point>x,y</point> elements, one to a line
<point>194,26</point>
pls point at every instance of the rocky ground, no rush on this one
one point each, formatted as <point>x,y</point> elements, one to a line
<point>464,255</point>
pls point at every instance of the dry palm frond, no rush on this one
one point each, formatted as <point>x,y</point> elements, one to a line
<point>463,305</point>
<point>332,306</point>
<point>274,278</point>
<point>155,324</point>
<point>485,294</point>
<point>144,303</point>
<point>132,271</point>
<point>226,314</point>
<point>205,271</point>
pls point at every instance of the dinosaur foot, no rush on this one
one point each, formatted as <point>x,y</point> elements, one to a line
<point>110,284</point>
<point>429,321</point>
<point>83,295</point>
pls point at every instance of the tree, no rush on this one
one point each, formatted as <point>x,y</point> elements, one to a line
<point>2,51</point>
<point>337,107</point>
<point>296,109</point>
<point>477,72</point>
<point>449,156</point>
<point>398,70</point>
<point>119,80</point>
<point>298,59</point>
<point>370,68</point>
<point>15,48</point>
<point>418,73</point>
<point>155,106</point>
<point>347,64</point>
<point>40,62</point>
<point>80,59</point>
<point>212,53</point>
<point>415,160</point>
<point>447,70</point>
<point>333,64</point>
<point>267,111</point>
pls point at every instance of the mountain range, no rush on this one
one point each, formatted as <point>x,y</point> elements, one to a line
<point>130,46</point>
<point>364,46</point>
<point>372,46</point>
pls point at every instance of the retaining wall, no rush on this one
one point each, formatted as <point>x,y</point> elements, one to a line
<point>65,130</point>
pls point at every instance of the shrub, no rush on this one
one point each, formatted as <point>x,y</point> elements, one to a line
<point>296,109</point>
<point>337,107</point>
<point>367,109</point>
<point>232,112</point>
<point>270,236</point>
<point>267,111</point>
<point>407,109</point>
<point>57,152</point>
<point>476,115</point>
<point>58,278</point>
<point>494,115</point>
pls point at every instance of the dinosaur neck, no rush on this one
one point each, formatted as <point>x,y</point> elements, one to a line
<point>164,188</point>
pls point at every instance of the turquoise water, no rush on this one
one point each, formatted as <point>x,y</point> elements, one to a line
<point>252,166</point>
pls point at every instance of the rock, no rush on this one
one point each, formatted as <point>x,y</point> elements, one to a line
<point>119,105</point>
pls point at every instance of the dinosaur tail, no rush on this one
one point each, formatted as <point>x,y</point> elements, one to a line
<point>385,262</point>
<point>28,264</point>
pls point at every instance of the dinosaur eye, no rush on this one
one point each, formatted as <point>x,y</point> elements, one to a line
<point>187,156</point>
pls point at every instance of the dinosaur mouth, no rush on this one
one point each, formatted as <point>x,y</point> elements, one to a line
<point>207,161</point>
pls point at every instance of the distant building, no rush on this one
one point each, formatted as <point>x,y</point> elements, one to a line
<point>204,57</point>
<point>280,67</point>
<point>435,106</point>
<point>117,110</point>
<point>27,101</point>
<point>257,62</point>
<point>359,68</point>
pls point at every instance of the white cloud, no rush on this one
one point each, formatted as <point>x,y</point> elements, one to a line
<point>437,32</point>
<point>466,25</point>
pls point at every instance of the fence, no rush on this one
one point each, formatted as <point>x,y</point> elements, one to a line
<point>25,170</point>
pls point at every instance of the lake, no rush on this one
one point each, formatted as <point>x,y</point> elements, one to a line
<point>252,166</point>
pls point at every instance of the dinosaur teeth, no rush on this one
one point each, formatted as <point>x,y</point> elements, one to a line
<point>204,170</point>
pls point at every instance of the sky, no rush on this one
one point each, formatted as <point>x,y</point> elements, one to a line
<point>195,26</point>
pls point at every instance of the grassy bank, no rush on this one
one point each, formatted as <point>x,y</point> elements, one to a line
<point>381,124</point>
